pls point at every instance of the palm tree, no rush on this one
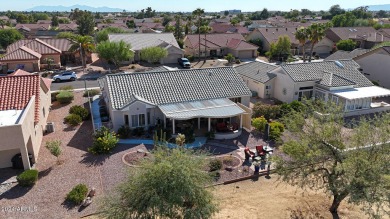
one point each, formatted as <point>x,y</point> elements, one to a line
<point>84,44</point>
<point>198,12</point>
<point>205,29</point>
<point>316,32</point>
<point>302,36</point>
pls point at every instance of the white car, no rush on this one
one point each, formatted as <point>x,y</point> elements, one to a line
<point>65,76</point>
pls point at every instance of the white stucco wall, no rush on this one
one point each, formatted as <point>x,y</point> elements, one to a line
<point>376,67</point>
<point>259,87</point>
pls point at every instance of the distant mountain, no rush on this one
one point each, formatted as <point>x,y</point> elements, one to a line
<point>69,8</point>
<point>385,7</point>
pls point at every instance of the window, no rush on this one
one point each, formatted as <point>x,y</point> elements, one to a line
<point>236,99</point>
<point>148,117</point>
<point>134,121</point>
<point>319,95</point>
<point>268,87</point>
<point>126,117</point>
<point>141,120</point>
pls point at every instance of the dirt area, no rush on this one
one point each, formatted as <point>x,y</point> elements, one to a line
<point>269,198</point>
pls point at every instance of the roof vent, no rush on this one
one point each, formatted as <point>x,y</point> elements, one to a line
<point>338,63</point>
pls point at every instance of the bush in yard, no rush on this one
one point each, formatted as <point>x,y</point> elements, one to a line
<point>124,131</point>
<point>266,110</point>
<point>276,130</point>
<point>73,119</point>
<point>55,148</point>
<point>259,123</point>
<point>77,194</point>
<point>65,97</point>
<point>215,164</point>
<point>79,110</point>
<point>28,178</point>
<point>91,93</point>
<point>104,141</point>
<point>228,160</point>
<point>54,96</point>
<point>139,131</point>
<point>66,87</point>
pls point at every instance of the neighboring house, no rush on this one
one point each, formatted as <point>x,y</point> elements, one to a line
<point>365,37</point>
<point>120,25</point>
<point>219,45</point>
<point>375,65</point>
<point>200,98</point>
<point>228,28</point>
<point>30,30</point>
<point>66,55</point>
<point>23,54</point>
<point>24,108</point>
<point>44,22</point>
<point>341,54</point>
<point>72,27</point>
<point>271,35</point>
<point>140,41</point>
<point>259,24</point>
<point>338,81</point>
<point>257,77</point>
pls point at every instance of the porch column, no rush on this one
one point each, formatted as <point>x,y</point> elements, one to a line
<point>240,121</point>
<point>25,158</point>
<point>173,126</point>
<point>209,126</point>
<point>165,122</point>
<point>199,123</point>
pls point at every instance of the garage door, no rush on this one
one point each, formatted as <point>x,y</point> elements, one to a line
<point>248,54</point>
<point>171,58</point>
<point>322,50</point>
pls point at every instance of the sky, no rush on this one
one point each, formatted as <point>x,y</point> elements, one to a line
<point>190,5</point>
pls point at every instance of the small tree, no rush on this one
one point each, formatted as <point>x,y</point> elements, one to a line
<point>55,148</point>
<point>349,164</point>
<point>172,185</point>
<point>282,48</point>
<point>103,34</point>
<point>49,62</point>
<point>230,58</point>
<point>153,54</point>
<point>259,123</point>
<point>103,141</point>
<point>73,119</point>
<point>346,45</point>
<point>116,52</point>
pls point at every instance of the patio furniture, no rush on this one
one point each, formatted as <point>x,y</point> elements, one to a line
<point>260,150</point>
<point>222,127</point>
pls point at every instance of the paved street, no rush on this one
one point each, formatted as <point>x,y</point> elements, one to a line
<point>76,84</point>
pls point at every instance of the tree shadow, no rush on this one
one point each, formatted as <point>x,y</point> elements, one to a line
<point>93,160</point>
<point>44,173</point>
<point>82,139</point>
<point>15,192</point>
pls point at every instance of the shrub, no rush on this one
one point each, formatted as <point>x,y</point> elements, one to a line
<point>190,135</point>
<point>28,178</point>
<point>210,135</point>
<point>103,141</point>
<point>44,74</point>
<point>73,119</point>
<point>266,110</point>
<point>124,131</point>
<point>91,93</point>
<point>79,110</point>
<point>190,58</point>
<point>67,87</point>
<point>54,147</point>
<point>228,160</point>
<point>139,131</point>
<point>238,61</point>
<point>276,130</point>
<point>215,164</point>
<point>259,123</point>
<point>65,97</point>
<point>54,96</point>
<point>77,194</point>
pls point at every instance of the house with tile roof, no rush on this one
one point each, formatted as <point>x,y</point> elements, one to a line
<point>341,54</point>
<point>271,35</point>
<point>29,30</point>
<point>140,41</point>
<point>215,45</point>
<point>365,37</point>
<point>195,98</point>
<point>339,81</point>
<point>24,108</point>
<point>31,55</point>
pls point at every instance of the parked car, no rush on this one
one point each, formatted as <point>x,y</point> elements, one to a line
<point>184,62</point>
<point>65,76</point>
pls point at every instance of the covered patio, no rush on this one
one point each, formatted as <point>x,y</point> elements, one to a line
<point>362,100</point>
<point>221,116</point>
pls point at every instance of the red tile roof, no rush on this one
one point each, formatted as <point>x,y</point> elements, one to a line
<point>220,40</point>
<point>16,92</point>
<point>20,72</point>
<point>36,45</point>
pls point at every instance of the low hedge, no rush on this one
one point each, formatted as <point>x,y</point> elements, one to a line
<point>28,178</point>
<point>73,119</point>
<point>54,96</point>
<point>65,97</point>
<point>79,110</point>
<point>77,194</point>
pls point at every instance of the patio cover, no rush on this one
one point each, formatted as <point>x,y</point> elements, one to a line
<point>362,92</point>
<point>214,108</point>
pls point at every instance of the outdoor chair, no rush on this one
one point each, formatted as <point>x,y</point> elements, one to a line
<point>260,150</point>
<point>221,127</point>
